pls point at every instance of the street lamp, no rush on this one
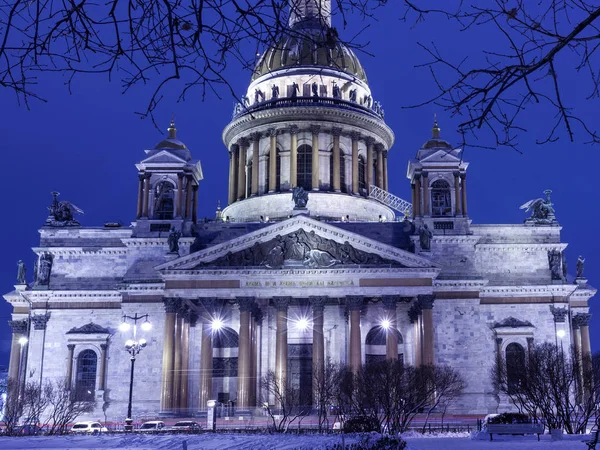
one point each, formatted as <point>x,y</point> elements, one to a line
<point>133,346</point>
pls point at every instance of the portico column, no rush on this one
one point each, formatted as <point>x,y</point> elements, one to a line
<point>252,385</point>
<point>576,336</point>
<point>146,194</point>
<point>355,137</point>
<point>177,361</point>
<point>19,330</point>
<point>426,211</point>
<point>233,170</point>
<point>206,356</point>
<point>379,168</point>
<point>185,362</point>
<point>391,341</point>
<point>241,187</point>
<point>281,341</point>
<point>166,395</point>
<point>244,355</point>
<point>427,314</point>
<point>179,204</point>
<point>272,133</point>
<point>293,156</point>
<point>314,129</point>
<point>336,132</point>
<point>417,204</point>
<point>463,179</point>
<point>354,303</point>
<point>69,376</point>
<point>385,171</point>
<point>102,371</point>
<point>318,348</point>
<point>140,200</point>
<point>369,163</point>
<point>457,202</point>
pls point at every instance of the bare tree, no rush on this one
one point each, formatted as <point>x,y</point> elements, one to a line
<point>448,385</point>
<point>35,403</point>
<point>287,399</point>
<point>546,46</point>
<point>325,390</point>
<point>64,406</point>
<point>13,406</point>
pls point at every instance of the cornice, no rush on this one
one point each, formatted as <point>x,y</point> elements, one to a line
<point>458,239</point>
<point>562,290</point>
<point>424,272</point>
<point>61,251</point>
<point>155,242</point>
<point>559,246</point>
<point>143,287</point>
<point>51,295</point>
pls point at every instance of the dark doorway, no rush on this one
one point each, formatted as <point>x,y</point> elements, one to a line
<point>300,372</point>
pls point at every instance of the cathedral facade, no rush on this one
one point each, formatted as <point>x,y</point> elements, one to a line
<point>312,259</point>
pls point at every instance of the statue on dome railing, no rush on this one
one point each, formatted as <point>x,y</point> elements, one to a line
<point>300,197</point>
<point>61,213</point>
<point>542,211</point>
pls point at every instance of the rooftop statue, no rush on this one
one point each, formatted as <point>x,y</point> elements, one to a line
<point>173,241</point>
<point>580,266</point>
<point>21,273</point>
<point>61,213</point>
<point>542,211</point>
<point>300,197</point>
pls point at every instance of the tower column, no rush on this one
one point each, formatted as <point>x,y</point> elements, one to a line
<point>426,211</point>
<point>272,133</point>
<point>293,156</point>
<point>463,179</point>
<point>233,170</point>
<point>354,303</point>
<point>318,350</point>
<point>255,154</point>
<point>413,191</point>
<point>188,198</point>
<point>391,341</point>
<point>206,356</point>
<point>457,201</point>
<point>369,164</point>
<point>336,132</point>
<point>69,377</point>
<point>140,200</point>
<point>355,137</point>
<point>146,194</point>
<point>244,361</point>
<point>427,316</point>
<point>417,204</point>
<point>379,168</point>
<point>179,202</point>
<point>241,187</point>
<point>166,395</point>
<point>314,129</point>
<point>281,341</point>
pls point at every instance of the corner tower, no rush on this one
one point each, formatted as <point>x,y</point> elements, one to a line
<point>308,119</point>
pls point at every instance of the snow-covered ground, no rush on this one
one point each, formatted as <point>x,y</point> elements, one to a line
<point>280,442</point>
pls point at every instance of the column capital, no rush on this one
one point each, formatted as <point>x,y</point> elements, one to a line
<point>234,148</point>
<point>336,131</point>
<point>426,301</point>
<point>245,303</point>
<point>293,129</point>
<point>171,304</point>
<point>281,303</point>
<point>317,302</point>
<point>369,140</point>
<point>354,302</point>
<point>463,175</point>
<point>355,135</point>
<point>529,341</point>
<point>141,176</point>
<point>207,304</point>
<point>559,314</point>
<point>257,313</point>
<point>40,321</point>
<point>315,129</point>
<point>255,137</point>
<point>180,175</point>
<point>390,301</point>
<point>18,326</point>
<point>271,132</point>
<point>243,142</point>
<point>424,173</point>
<point>574,323</point>
<point>104,346</point>
<point>71,347</point>
<point>193,319</point>
<point>379,147</point>
<point>583,319</point>
<point>456,173</point>
<point>414,312</point>
<point>499,341</point>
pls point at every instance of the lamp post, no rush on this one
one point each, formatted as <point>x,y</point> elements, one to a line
<point>133,346</point>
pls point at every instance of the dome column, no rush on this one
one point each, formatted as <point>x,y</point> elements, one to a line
<point>369,164</point>
<point>233,169</point>
<point>241,185</point>
<point>255,137</point>
<point>355,137</point>
<point>314,129</point>
<point>293,156</point>
<point>385,171</point>
<point>336,132</point>
<point>272,133</point>
<point>379,175</point>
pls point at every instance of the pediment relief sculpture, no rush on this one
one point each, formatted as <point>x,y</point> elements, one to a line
<point>299,249</point>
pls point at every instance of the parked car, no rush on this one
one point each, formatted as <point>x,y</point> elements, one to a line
<point>28,430</point>
<point>152,426</point>
<point>186,425</point>
<point>357,424</point>
<point>89,427</point>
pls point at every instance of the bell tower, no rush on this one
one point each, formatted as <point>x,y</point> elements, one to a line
<point>168,187</point>
<point>438,178</point>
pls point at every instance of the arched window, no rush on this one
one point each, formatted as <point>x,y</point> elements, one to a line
<point>375,344</point>
<point>343,173</point>
<point>362,183</point>
<point>515,366</point>
<point>304,167</point>
<point>441,204</point>
<point>85,381</point>
<point>164,201</point>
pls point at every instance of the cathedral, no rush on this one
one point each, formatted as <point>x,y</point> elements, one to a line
<point>313,259</point>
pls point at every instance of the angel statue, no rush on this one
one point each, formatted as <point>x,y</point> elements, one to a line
<point>300,197</point>
<point>61,213</point>
<point>580,266</point>
<point>542,211</point>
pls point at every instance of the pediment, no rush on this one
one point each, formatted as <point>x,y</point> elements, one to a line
<point>441,155</point>
<point>164,157</point>
<point>299,242</point>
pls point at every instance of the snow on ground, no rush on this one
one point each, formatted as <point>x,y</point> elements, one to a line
<point>458,441</point>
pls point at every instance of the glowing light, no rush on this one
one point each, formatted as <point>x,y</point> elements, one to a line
<point>146,326</point>
<point>302,323</point>
<point>129,343</point>
<point>22,340</point>
<point>143,342</point>
<point>561,333</point>
<point>217,324</point>
<point>385,324</point>
<point>124,327</point>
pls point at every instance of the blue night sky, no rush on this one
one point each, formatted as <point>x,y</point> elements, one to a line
<point>85,145</point>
